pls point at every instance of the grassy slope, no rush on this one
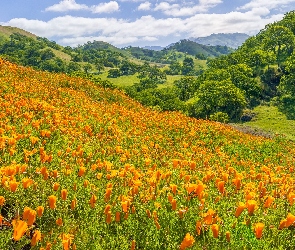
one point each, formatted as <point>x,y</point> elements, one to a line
<point>113,156</point>
<point>124,81</point>
<point>269,119</point>
<point>6,31</point>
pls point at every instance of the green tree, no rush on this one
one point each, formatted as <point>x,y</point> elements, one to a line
<point>152,73</point>
<point>186,86</point>
<point>280,40</point>
<point>219,96</point>
<point>174,68</point>
<point>188,66</point>
<point>87,67</point>
<point>114,73</point>
<point>287,89</point>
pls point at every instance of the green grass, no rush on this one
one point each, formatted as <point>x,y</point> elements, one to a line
<point>271,120</point>
<point>125,81</point>
<point>122,81</point>
<point>170,81</point>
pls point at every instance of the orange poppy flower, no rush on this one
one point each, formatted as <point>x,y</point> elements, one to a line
<point>55,186</point>
<point>59,222</point>
<point>290,219</point>
<point>187,242</point>
<point>64,194</point>
<point>240,209</point>
<point>125,206</point>
<point>29,215</point>
<point>118,216</point>
<point>73,203</point>
<point>27,182</point>
<point>19,229</point>
<point>227,235</point>
<point>174,204</point>
<point>92,201</point>
<point>251,206</point>
<point>36,237</point>
<point>52,201</point>
<point>220,186</point>
<point>108,194</point>
<point>40,210</point>
<point>215,230</point>
<point>2,200</point>
<point>81,172</point>
<point>173,188</point>
<point>258,230</point>
<point>268,201</point>
<point>66,241</point>
<point>13,185</point>
<point>133,244</point>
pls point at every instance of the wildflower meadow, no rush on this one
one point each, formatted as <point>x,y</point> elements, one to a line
<point>85,167</point>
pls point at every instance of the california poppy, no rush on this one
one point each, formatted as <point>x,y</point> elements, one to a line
<point>19,229</point>
<point>258,230</point>
<point>188,241</point>
<point>215,230</point>
<point>240,209</point>
<point>40,210</point>
<point>92,201</point>
<point>2,200</point>
<point>52,201</point>
<point>64,194</point>
<point>36,237</point>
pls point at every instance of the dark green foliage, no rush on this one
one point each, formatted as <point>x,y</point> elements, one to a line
<point>152,73</point>
<point>36,53</point>
<point>174,68</point>
<point>169,56</point>
<point>193,49</point>
<point>165,99</point>
<point>128,68</point>
<point>187,86</point>
<point>219,96</point>
<point>114,73</point>
<point>188,67</point>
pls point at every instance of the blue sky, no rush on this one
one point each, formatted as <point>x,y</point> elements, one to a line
<point>139,22</point>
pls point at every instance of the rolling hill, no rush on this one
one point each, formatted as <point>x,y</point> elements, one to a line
<point>232,40</point>
<point>85,167</point>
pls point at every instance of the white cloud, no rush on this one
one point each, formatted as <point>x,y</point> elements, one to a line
<point>144,6</point>
<point>78,30</point>
<point>186,10</point>
<point>74,41</point>
<point>109,7</point>
<point>66,5</point>
<point>269,4</point>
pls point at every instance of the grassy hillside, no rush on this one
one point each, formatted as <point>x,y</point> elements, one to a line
<point>271,121</point>
<point>232,40</point>
<point>88,168</point>
<point>6,31</point>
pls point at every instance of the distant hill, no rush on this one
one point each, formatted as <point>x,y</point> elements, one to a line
<point>6,31</point>
<point>156,48</point>
<point>196,49</point>
<point>233,40</point>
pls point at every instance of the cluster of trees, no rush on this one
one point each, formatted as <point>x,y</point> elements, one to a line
<point>262,69</point>
<point>171,53</point>
<point>186,68</point>
<point>195,49</point>
<point>37,53</point>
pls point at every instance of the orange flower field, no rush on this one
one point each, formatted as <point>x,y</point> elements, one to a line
<point>83,167</point>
